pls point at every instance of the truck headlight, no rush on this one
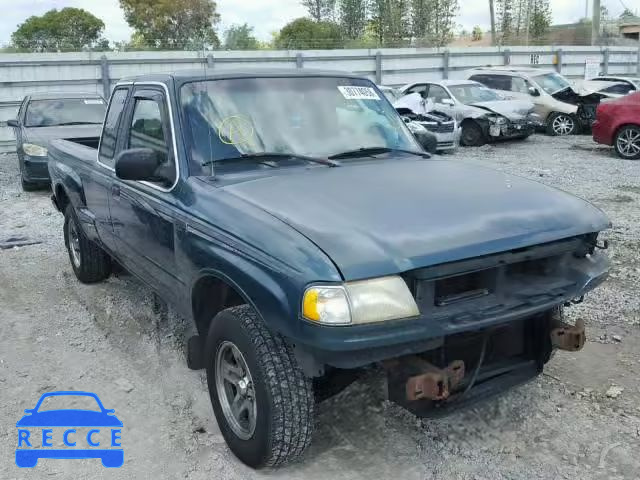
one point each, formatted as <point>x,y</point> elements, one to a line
<point>34,150</point>
<point>355,303</point>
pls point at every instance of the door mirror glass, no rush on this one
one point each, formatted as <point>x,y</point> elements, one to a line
<point>139,164</point>
<point>447,101</point>
<point>13,123</point>
<point>534,92</point>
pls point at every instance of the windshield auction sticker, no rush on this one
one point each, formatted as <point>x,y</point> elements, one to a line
<point>359,93</point>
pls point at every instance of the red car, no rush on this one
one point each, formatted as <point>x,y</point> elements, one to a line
<point>618,124</point>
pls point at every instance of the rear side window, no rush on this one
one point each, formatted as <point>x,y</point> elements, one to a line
<point>109,133</point>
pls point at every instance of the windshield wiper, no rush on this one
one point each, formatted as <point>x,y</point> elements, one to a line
<point>368,151</point>
<point>263,157</point>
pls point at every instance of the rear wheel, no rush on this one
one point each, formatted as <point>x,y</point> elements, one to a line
<point>263,402</point>
<point>627,142</point>
<point>89,262</point>
<point>472,135</point>
<point>561,124</point>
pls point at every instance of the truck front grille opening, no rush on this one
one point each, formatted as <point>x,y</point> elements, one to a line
<point>464,287</point>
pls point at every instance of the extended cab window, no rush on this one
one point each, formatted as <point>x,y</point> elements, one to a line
<point>148,131</point>
<point>110,130</point>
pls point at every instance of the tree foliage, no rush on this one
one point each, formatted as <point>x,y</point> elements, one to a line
<point>353,17</point>
<point>240,37</point>
<point>173,24</point>
<point>476,34</point>
<point>523,20</point>
<point>320,10</point>
<point>539,20</point>
<point>58,30</point>
<point>304,33</point>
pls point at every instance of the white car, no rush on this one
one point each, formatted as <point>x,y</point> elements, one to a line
<point>482,114</point>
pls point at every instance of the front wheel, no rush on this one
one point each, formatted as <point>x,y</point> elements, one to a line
<point>472,135</point>
<point>627,142</point>
<point>561,124</point>
<point>263,402</point>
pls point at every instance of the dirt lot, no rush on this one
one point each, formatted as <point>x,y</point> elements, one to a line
<point>57,334</point>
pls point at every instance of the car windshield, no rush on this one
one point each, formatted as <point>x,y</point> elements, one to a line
<point>308,116</point>
<point>551,82</point>
<point>65,111</point>
<point>473,93</point>
<point>69,402</point>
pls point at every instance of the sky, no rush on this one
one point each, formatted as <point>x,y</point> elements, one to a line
<point>264,15</point>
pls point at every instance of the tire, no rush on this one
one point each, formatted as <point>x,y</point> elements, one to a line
<point>283,400</point>
<point>562,124</point>
<point>28,186</point>
<point>90,263</point>
<point>472,135</point>
<point>195,353</point>
<point>627,142</point>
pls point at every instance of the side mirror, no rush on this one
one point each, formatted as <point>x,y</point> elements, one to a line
<point>13,123</point>
<point>138,164</point>
<point>534,92</point>
<point>447,101</point>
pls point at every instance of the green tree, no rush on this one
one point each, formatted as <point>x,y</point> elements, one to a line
<point>375,27</point>
<point>398,23</point>
<point>476,34</point>
<point>320,10</point>
<point>57,30</point>
<point>539,20</point>
<point>420,18</point>
<point>172,24</point>
<point>505,9</point>
<point>627,15</point>
<point>443,15</point>
<point>353,17</point>
<point>240,37</point>
<point>304,33</point>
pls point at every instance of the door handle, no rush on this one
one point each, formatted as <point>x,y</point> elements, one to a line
<point>115,191</point>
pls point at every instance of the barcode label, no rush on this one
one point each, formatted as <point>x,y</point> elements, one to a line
<point>359,93</point>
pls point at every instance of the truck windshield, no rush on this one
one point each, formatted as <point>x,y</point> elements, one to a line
<point>308,116</point>
<point>469,93</point>
<point>551,82</point>
<point>65,111</point>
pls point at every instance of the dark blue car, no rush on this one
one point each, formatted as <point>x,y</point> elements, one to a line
<point>70,419</point>
<point>294,218</point>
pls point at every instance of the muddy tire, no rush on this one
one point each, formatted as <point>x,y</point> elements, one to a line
<point>263,402</point>
<point>472,135</point>
<point>562,124</point>
<point>90,263</point>
<point>627,142</point>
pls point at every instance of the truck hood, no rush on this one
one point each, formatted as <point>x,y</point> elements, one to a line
<point>43,135</point>
<point>389,216</point>
<point>512,109</point>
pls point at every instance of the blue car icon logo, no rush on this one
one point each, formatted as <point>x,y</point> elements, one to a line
<point>64,432</point>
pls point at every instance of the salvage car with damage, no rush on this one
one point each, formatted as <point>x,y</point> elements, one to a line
<point>563,109</point>
<point>482,115</point>
<point>304,244</point>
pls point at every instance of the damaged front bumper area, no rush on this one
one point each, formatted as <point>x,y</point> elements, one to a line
<point>499,127</point>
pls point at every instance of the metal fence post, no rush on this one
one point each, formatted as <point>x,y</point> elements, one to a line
<point>379,68</point>
<point>559,60</point>
<point>210,61</point>
<point>299,60</point>
<point>104,76</point>
<point>605,66</point>
<point>507,56</point>
<point>445,64</point>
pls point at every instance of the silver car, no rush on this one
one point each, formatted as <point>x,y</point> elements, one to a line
<point>483,115</point>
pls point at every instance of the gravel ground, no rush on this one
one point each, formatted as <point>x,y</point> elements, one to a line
<point>57,334</point>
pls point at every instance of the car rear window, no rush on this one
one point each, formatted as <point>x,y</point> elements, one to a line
<point>65,111</point>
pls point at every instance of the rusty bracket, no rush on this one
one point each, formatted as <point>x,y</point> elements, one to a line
<point>568,337</point>
<point>435,383</point>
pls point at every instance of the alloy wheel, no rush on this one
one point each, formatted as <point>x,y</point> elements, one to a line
<point>563,125</point>
<point>235,390</point>
<point>628,142</point>
<point>74,243</point>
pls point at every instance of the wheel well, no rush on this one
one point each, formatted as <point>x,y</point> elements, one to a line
<point>62,199</point>
<point>615,134</point>
<point>209,296</point>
